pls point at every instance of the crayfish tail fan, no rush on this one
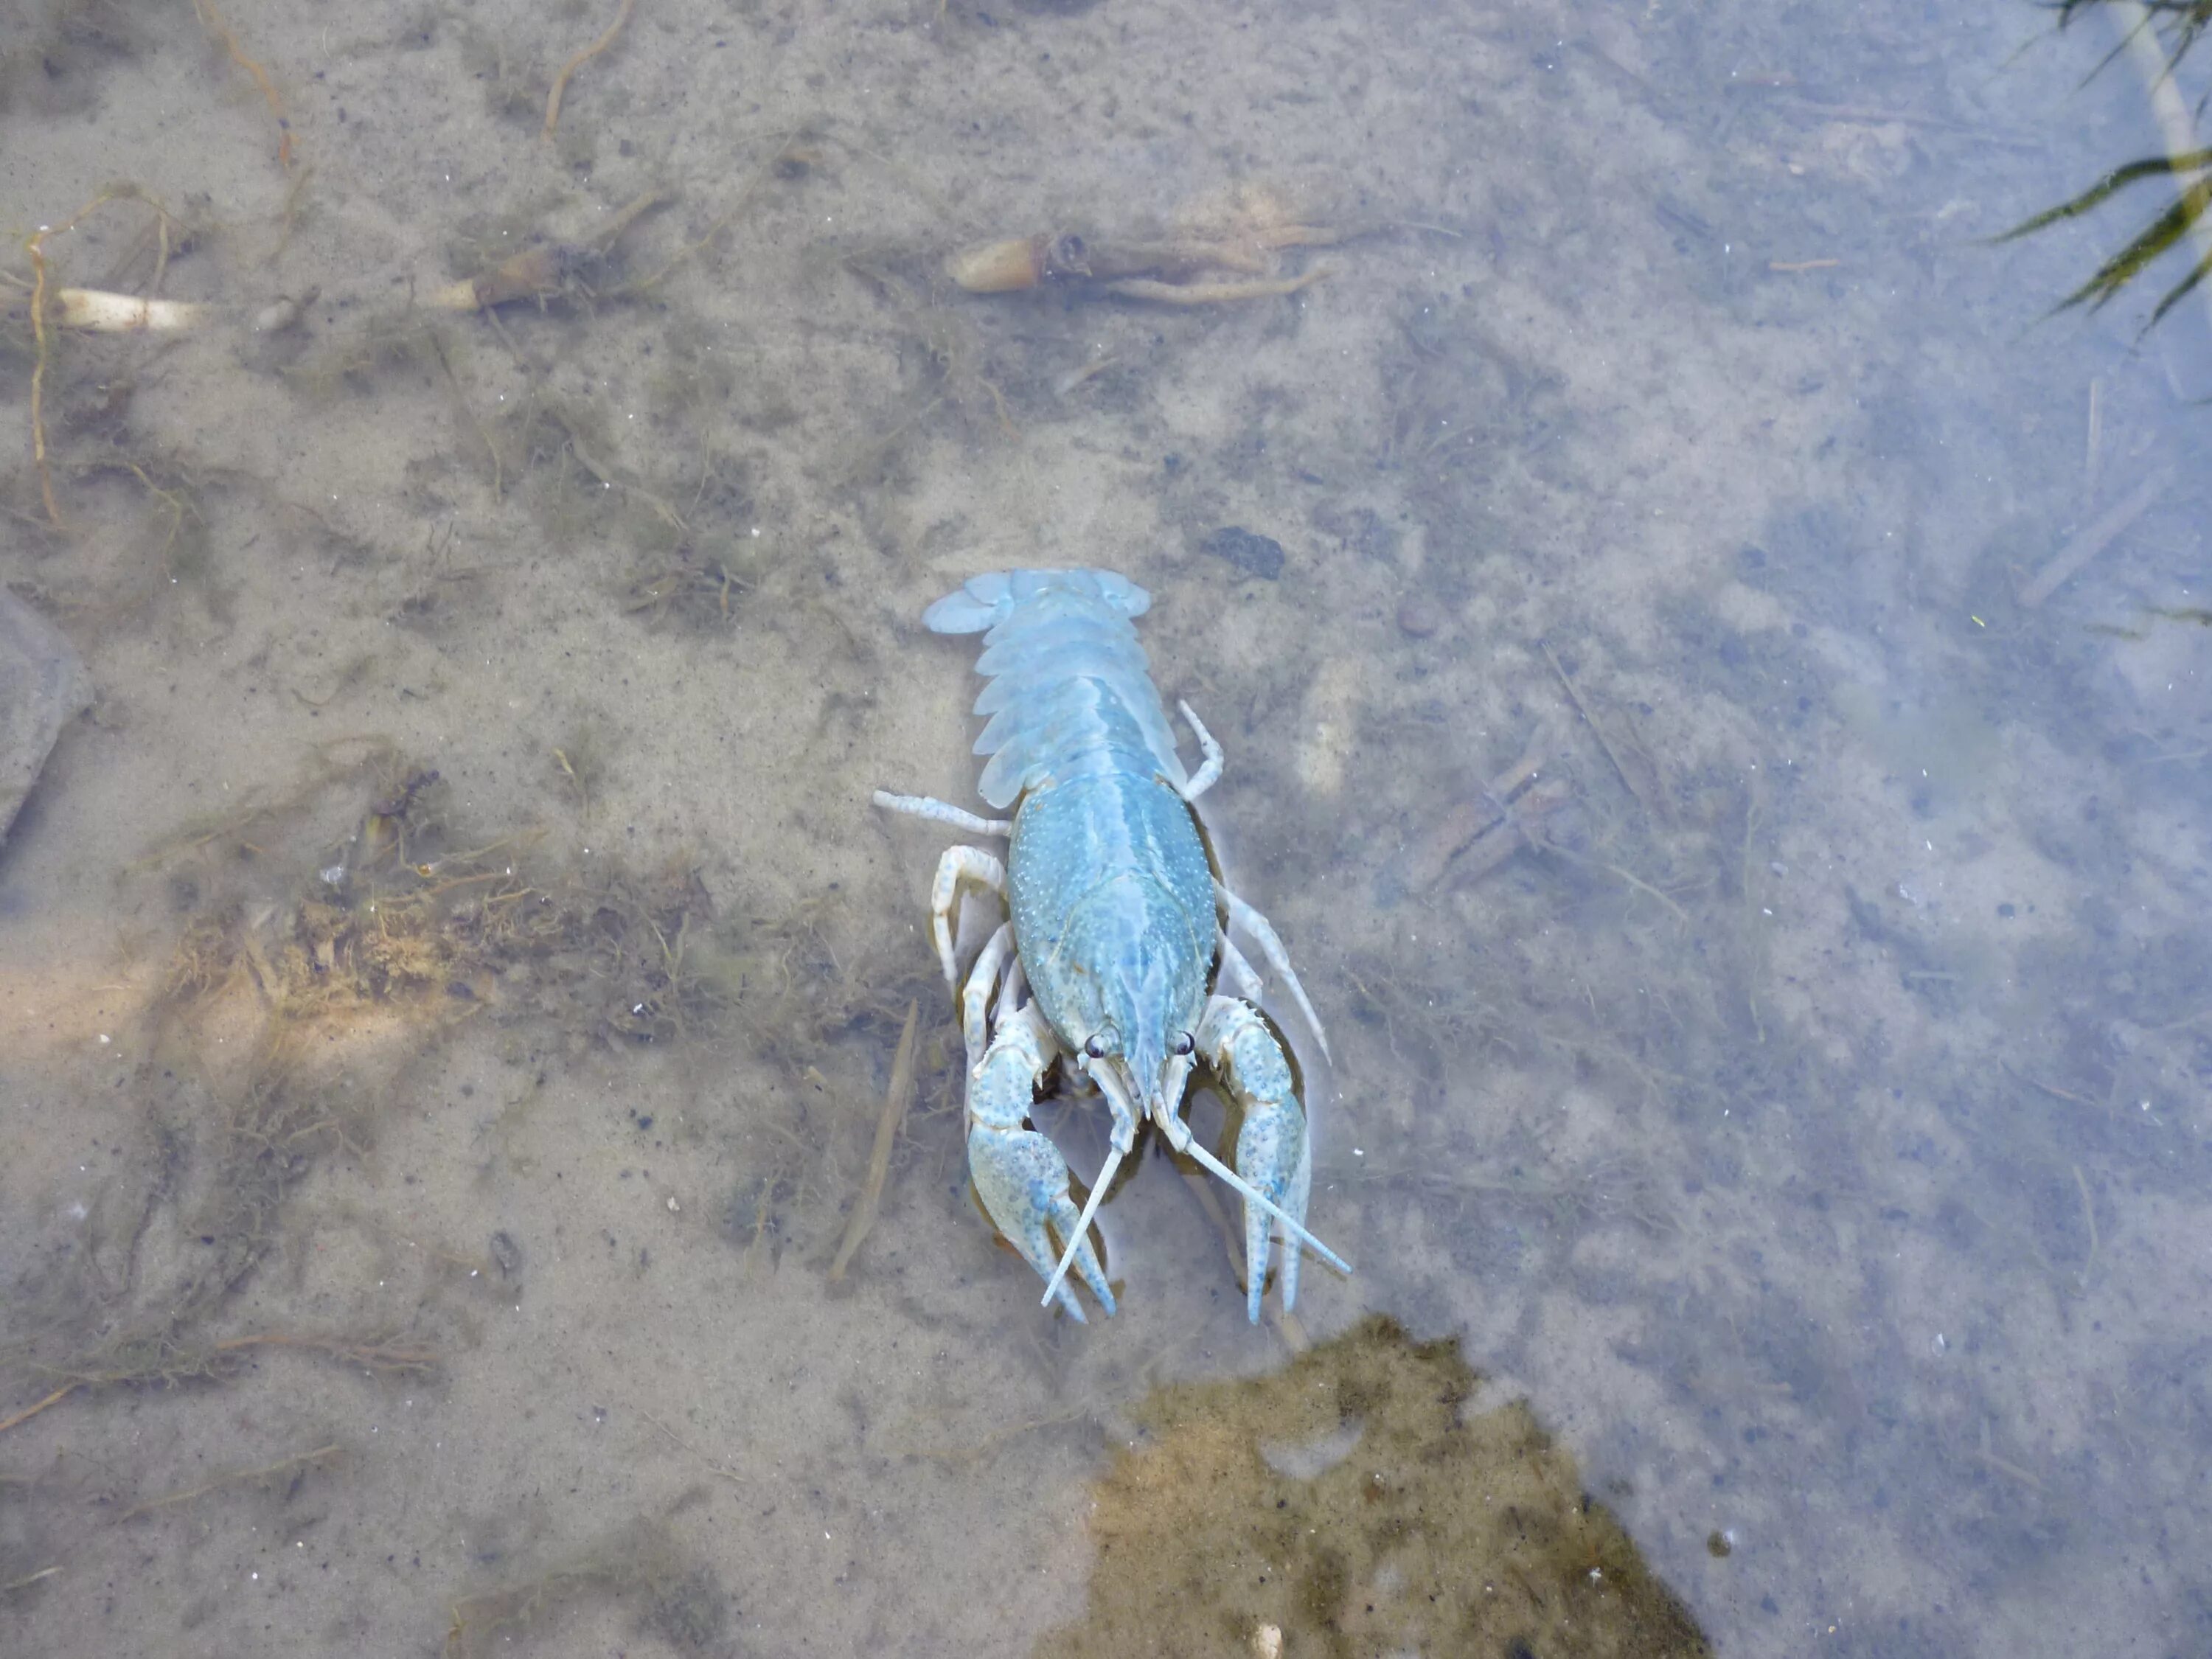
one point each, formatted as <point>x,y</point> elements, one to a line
<point>982,602</point>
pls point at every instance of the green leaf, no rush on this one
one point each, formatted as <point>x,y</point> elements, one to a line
<point>2110,185</point>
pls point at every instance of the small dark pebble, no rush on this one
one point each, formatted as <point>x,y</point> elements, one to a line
<point>1254,554</point>
<point>1417,618</point>
<point>1719,1546</point>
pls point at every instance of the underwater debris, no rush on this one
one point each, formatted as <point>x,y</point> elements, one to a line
<point>1475,837</point>
<point>898,1097</point>
<point>43,687</point>
<point>1347,1505</point>
<point>2092,538</point>
<point>548,269</point>
<point>568,69</point>
<point>698,592</point>
<point>165,1357</point>
<point>95,311</point>
<point>276,997</point>
<point>214,22</point>
<point>1248,550</point>
<point>1220,250</point>
<point>291,1471</point>
<point>41,334</point>
<point>544,271</point>
<point>404,929</point>
<point>640,1566</point>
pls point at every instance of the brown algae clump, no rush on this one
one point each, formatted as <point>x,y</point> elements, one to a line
<point>1346,1506</point>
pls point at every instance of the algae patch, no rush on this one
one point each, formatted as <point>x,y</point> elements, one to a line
<point>1347,1505</point>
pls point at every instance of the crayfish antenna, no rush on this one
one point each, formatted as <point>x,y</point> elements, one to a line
<point>1197,1150</point>
<point>1083,1226</point>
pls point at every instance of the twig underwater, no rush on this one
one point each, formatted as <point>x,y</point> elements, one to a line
<point>214,22</point>
<point>2095,538</point>
<point>1222,251</point>
<point>161,1359</point>
<point>35,246</point>
<point>568,68</point>
<point>297,1463</point>
<point>898,1096</point>
<point>1478,832</point>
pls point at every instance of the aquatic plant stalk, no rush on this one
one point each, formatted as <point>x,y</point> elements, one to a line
<point>896,1098</point>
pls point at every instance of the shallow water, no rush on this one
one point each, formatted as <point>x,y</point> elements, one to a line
<point>418,1195</point>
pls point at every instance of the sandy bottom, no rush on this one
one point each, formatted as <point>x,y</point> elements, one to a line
<point>417,1194</point>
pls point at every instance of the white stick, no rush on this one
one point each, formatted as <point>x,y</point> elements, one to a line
<point>101,312</point>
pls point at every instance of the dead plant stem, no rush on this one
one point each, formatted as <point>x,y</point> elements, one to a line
<point>561,81</point>
<point>896,1098</point>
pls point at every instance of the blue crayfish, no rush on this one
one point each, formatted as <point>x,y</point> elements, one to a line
<point>1117,944</point>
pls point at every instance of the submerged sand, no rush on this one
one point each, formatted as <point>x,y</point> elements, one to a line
<point>417,1195</point>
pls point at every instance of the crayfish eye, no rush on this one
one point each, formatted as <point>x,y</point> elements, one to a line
<point>1095,1049</point>
<point>1184,1044</point>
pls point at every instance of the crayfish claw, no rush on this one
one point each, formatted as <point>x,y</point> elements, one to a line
<point>1274,1164</point>
<point>1271,1155</point>
<point>1022,1180</point>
